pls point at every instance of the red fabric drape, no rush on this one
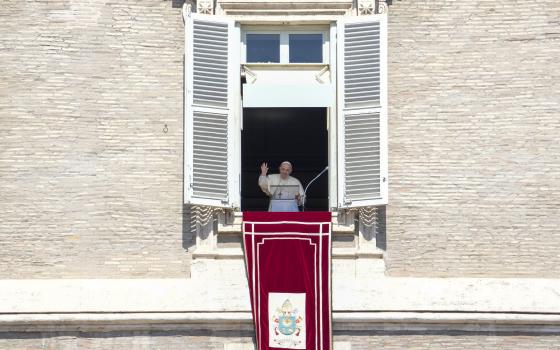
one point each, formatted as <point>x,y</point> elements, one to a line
<point>288,264</point>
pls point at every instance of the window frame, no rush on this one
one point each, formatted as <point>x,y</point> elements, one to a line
<point>331,53</point>
<point>285,41</point>
<point>244,46</point>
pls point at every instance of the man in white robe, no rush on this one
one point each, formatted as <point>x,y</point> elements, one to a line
<point>285,191</point>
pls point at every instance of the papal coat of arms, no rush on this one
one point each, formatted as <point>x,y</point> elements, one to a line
<point>287,320</point>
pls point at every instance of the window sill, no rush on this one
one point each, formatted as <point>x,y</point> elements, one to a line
<point>285,65</point>
<point>237,253</point>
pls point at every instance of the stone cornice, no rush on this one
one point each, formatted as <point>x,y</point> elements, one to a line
<point>374,295</point>
<point>240,8</point>
<point>228,321</point>
<point>284,7</point>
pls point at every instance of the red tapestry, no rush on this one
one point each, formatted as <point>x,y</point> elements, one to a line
<point>288,260</point>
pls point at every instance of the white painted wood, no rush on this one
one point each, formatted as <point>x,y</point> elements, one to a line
<point>284,32</point>
<point>237,124</point>
<point>332,122</point>
<point>350,109</point>
<point>301,95</point>
<point>207,182</point>
<point>289,73</point>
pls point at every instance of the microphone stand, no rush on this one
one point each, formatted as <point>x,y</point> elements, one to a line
<point>306,187</point>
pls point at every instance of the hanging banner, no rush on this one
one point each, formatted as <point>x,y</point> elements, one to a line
<point>288,260</point>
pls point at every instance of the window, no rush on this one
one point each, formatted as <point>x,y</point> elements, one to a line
<point>274,135</point>
<point>357,134</point>
<point>298,45</point>
<point>263,48</point>
<point>306,48</point>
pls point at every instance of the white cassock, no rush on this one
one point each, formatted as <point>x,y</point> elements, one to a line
<point>281,192</point>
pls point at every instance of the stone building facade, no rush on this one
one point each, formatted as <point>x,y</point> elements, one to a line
<point>100,250</point>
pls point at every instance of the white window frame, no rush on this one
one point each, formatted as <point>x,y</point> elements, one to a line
<point>285,40</point>
<point>330,56</point>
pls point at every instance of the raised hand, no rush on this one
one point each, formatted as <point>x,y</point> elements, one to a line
<point>264,169</point>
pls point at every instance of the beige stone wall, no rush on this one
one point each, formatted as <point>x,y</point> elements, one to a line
<point>175,340</point>
<point>474,123</point>
<point>451,341</point>
<point>90,185</point>
<point>133,340</point>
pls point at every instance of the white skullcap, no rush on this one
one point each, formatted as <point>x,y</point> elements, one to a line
<point>287,163</point>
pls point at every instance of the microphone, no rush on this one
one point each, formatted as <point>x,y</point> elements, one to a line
<point>306,187</point>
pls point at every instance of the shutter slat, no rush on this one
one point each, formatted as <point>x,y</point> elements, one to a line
<point>361,64</point>
<point>360,80</point>
<point>362,57</point>
<point>362,155</point>
<point>365,144</point>
<point>361,111</point>
<point>210,63</point>
<point>210,154</point>
<point>206,91</point>
<point>212,59</point>
<point>357,73</point>
<point>211,28</point>
<point>358,86</point>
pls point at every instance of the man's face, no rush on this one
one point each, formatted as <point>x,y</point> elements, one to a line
<point>285,171</point>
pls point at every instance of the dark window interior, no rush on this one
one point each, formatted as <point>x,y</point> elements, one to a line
<point>273,135</point>
<point>306,48</point>
<point>263,48</point>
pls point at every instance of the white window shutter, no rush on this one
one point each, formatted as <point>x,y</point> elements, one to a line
<point>362,110</point>
<point>211,75</point>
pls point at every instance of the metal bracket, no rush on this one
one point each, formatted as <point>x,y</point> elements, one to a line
<point>250,73</point>
<point>320,74</point>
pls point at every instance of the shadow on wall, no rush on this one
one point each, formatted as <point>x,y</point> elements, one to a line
<point>177,3</point>
<point>381,228</point>
<point>189,227</point>
<point>189,232</point>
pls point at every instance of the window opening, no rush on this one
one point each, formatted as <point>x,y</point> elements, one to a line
<point>273,135</point>
<point>306,48</point>
<point>263,48</point>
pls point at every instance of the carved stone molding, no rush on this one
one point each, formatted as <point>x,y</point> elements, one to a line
<point>284,7</point>
<point>268,8</point>
<point>205,6</point>
<point>382,6</point>
<point>370,7</point>
<point>366,7</point>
